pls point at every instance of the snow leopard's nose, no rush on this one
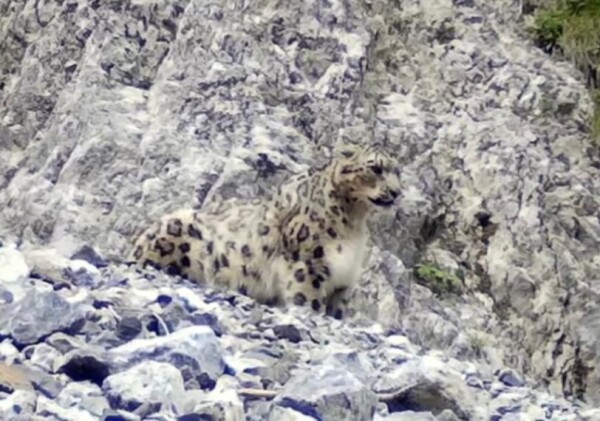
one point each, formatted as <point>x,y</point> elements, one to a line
<point>394,193</point>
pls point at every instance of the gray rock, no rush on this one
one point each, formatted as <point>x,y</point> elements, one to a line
<point>38,315</point>
<point>18,406</point>
<point>128,328</point>
<point>355,363</point>
<point>144,388</point>
<point>327,394</point>
<point>90,255</point>
<point>49,409</point>
<point>273,364</point>
<point>223,403</point>
<point>48,265</point>
<point>64,343</point>
<point>47,385</point>
<point>83,396</point>
<point>423,384</point>
<point>43,356</point>
<point>194,350</point>
<point>384,291</point>
<point>207,319</point>
<point>289,332</point>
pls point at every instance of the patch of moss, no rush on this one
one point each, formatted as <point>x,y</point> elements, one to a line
<point>502,308</point>
<point>596,117</point>
<point>547,29</point>
<point>571,28</point>
<point>437,280</point>
<point>478,343</point>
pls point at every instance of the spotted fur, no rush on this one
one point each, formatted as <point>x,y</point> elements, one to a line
<point>302,246</point>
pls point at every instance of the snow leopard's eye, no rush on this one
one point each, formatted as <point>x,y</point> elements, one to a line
<point>377,169</point>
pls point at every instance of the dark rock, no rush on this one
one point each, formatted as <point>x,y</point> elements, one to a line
<point>196,417</point>
<point>79,277</point>
<point>112,415</point>
<point>90,255</point>
<point>128,328</point>
<point>98,304</point>
<point>164,300</point>
<point>512,379</point>
<point>509,409</point>
<point>289,332</point>
<point>475,382</point>
<point>207,319</point>
<point>152,324</point>
<point>80,366</point>
<point>6,296</point>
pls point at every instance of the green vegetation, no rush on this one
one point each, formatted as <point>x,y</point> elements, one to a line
<point>437,280</point>
<point>478,342</point>
<point>571,28</point>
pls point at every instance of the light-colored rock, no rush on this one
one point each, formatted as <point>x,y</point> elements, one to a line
<point>222,403</point>
<point>83,395</point>
<point>13,267</point>
<point>196,343</point>
<point>13,377</point>
<point>279,413</point>
<point>18,406</point>
<point>44,355</point>
<point>49,409</point>
<point>428,384</point>
<point>144,388</point>
<point>39,314</point>
<point>329,393</point>
<point>8,352</point>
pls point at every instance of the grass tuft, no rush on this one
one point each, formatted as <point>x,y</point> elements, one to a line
<point>439,281</point>
<point>571,28</point>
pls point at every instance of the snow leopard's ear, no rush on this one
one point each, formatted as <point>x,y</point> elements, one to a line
<point>322,150</point>
<point>346,150</point>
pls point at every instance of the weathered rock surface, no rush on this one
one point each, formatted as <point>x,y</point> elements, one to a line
<point>328,393</point>
<point>38,315</point>
<point>112,113</point>
<point>144,388</point>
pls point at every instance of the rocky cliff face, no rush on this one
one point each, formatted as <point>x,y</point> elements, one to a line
<point>113,112</point>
